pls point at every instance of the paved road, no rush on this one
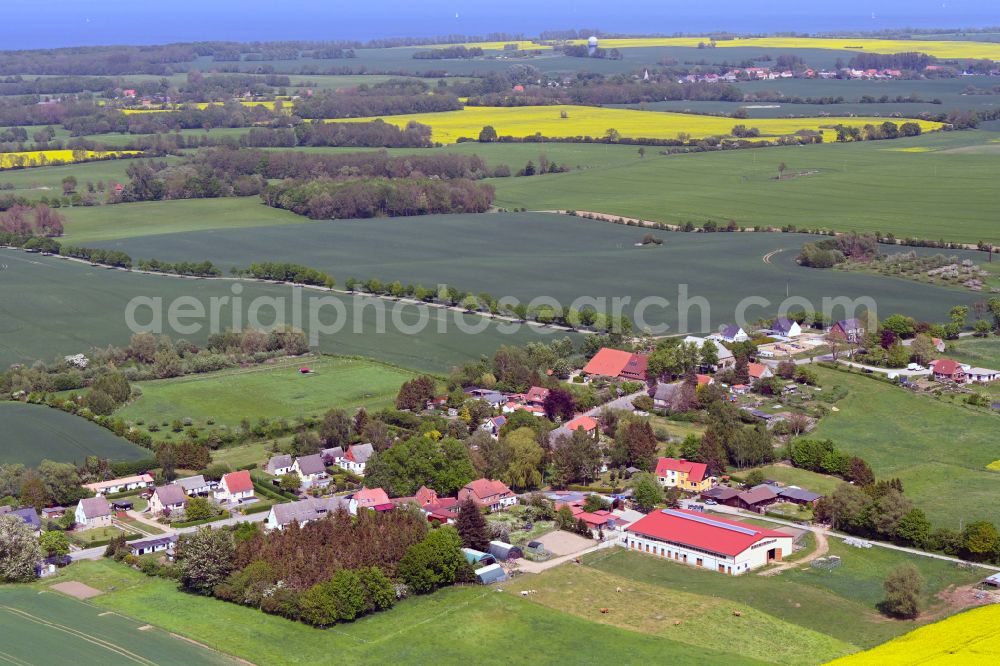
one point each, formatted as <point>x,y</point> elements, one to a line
<point>98,553</point>
<point>624,402</point>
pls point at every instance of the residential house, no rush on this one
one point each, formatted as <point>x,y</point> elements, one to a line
<point>588,424</point>
<point>370,498</point>
<point>704,380</point>
<point>120,485</point>
<point>279,465</point>
<point>850,330</point>
<point>938,344</point>
<point>683,474</point>
<point>493,398</point>
<point>28,515</point>
<point>332,455</point>
<point>235,487</point>
<point>731,333</point>
<point>726,358</point>
<point>786,327</point>
<point>424,497</point>
<point>92,512</point>
<point>303,511</point>
<point>512,407</point>
<point>154,545</point>
<point>947,370</point>
<point>168,499</point>
<point>758,371</point>
<point>356,458</point>
<point>710,542</point>
<point>311,469</point>
<point>617,364</point>
<point>493,424</point>
<point>665,395</point>
<point>488,493</point>
<point>194,485</point>
<point>975,375</point>
<point>757,498</point>
<point>443,511</point>
<point>536,395</point>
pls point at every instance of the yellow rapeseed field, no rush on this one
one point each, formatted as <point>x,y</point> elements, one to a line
<point>594,121</point>
<point>968,639</point>
<point>43,157</point>
<point>940,49</point>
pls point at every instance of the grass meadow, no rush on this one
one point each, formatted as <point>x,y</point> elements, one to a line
<point>51,307</point>
<point>32,433</point>
<point>523,121</point>
<point>455,625</point>
<point>272,391</point>
<point>526,255</point>
<point>938,449</point>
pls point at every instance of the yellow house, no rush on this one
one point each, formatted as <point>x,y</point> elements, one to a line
<point>683,474</point>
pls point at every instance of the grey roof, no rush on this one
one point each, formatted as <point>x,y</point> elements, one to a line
<point>757,494</point>
<point>95,507</point>
<point>278,462</point>
<point>493,573</point>
<point>724,352</point>
<point>332,454</point>
<point>799,494</point>
<point>307,509</point>
<point>730,331</point>
<point>170,495</point>
<point>29,516</point>
<point>313,464</point>
<point>850,324</point>
<point>153,543</point>
<point>192,484</point>
<point>783,324</point>
<point>503,551</point>
<point>721,493</point>
<point>665,392</point>
<point>362,452</point>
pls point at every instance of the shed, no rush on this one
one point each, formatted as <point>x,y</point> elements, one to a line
<point>536,547</point>
<point>473,556</point>
<point>505,551</point>
<point>493,573</point>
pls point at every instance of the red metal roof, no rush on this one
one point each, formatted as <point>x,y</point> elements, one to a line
<point>695,529</point>
<point>238,482</point>
<point>696,471</point>
<point>607,362</point>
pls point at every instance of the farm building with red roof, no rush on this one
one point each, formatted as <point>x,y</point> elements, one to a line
<point>706,541</point>
<point>617,364</point>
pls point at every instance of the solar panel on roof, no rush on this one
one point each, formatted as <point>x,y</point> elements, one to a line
<point>705,520</point>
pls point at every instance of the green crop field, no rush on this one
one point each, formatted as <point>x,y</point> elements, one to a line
<point>33,433</point>
<point>939,450</point>
<point>840,604</point>
<point>52,307</point>
<point>907,187</point>
<point>41,628</point>
<point>85,226</point>
<point>530,255</point>
<point>271,391</point>
<point>455,625</point>
<point>980,352</point>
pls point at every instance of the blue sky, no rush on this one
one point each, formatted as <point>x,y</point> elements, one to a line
<point>74,22</point>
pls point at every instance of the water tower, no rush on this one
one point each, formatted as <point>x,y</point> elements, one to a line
<point>592,45</point>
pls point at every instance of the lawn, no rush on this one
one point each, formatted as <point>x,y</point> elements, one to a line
<point>694,618</point>
<point>32,433</point>
<point>255,453</point>
<point>978,352</point>
<point>803,478</point>
<point>527,255</point>
<point>939,450</point>
<point>52,307</point>
<point>838,603</point>
<point>470,624</point>
<point>272,391</point>
<point>582,121</point>
<point>51,628</point>
<point>102,534</point>
<point>890,189</point>
<point>86,225</point>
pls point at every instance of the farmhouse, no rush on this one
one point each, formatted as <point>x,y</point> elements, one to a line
<point>947,370</point>
<point>194,485</point>
<point>617,364</point>
<point>310,469</point>
<point>683,474</point>
<point>234,487</point>
<point>93,512</point>
<point>167,499</point>
<point>494,495</point>
<point>303,511</point>
<point>692,538</point>
<point>356,458</point>
<point>120,485</point>
<point>850,330</point>
<point>279,465</point>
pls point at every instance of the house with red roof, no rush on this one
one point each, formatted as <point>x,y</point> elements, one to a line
<point>758,371</point>
<point>370,498</point>
<point>706,541</point>
<point>536,395</point>
<point>488,493</point>
<point>443,511</point>
<point>617,364</point>
<point>948,370</point>
<point>683,474</point>
<point>588,424</point>
<point>234,487</point>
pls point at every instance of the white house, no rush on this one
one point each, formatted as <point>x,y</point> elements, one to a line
<point>786,327</point>
<point>356,458</point>
<point>154,545</point>
<point>121,485</point>
<point>234,487</point>
<point>279,465</point>
<point>311,469</point>
<point>726,358</point>
<point>169,499</point>
<point>731,333</point>
<point>980,375</point>
<point>303,511</point>
<point>194,485</point>
<point>93,512</point>
<point>709,542</point>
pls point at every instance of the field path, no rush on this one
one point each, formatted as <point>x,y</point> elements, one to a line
<point>822,548</point>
